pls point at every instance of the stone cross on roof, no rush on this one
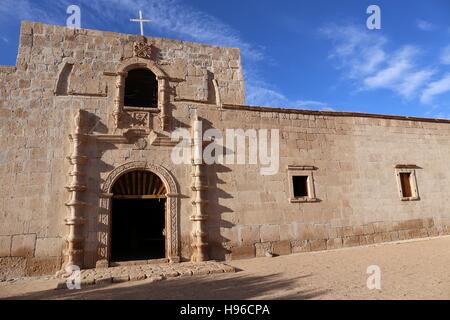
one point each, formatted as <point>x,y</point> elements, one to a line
<point>141,22</point>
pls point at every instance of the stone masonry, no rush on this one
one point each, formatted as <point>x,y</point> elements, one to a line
<point>66,137</point>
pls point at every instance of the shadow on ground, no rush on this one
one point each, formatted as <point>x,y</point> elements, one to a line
<point>217,287</point>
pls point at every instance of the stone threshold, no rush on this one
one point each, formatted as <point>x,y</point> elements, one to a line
<point>138,262</point>
<point>148,272</point>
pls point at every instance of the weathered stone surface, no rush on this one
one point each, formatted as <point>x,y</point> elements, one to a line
<point>148,272</point>
<point>121,278</point>
<point>11,267</point>
<point>23,245</point>
<point>351,241</point>
<point>5,246</point>
<point>60,71</point>
<point>334,243</point>
<point>263,248</point>
<point>103,281</point>
<point>282,247</point>
<point>318,245</point>
<point>270,233</point>
<point>244,252</point>
<point>300,246</point>
<point>49,247</point>
<point>42,266</point>
<point>249,235</point>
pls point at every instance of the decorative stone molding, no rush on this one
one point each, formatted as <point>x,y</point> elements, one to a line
<point>199,189</point>
<point>142,49</point>
<point>136,120</point>
<point>172,240</point>
<point>410,170</point>
<point>218,97</point>
<point>141,144</point>
<point>62,84</point>
<point>163,85</point>
<point>163,90</point>
<point>304,171</point>
<point>119,99</point>
<point>74,251</point>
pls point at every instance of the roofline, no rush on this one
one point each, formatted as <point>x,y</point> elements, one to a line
<point>333,113</point>
<point>127,34</point>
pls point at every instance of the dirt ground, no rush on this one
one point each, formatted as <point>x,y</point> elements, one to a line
<point>409,270</point>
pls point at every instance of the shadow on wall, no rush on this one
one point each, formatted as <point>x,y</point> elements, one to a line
<point>223,287</point>
<point>218,245</point>
<point>95,215</point>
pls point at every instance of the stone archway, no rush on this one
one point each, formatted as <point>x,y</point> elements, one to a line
<point>172,247</point>
<point>163,88</point>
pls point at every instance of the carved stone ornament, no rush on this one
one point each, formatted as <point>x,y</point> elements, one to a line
<point>143,50</point>
<point>172,247</point>
<point>141,144</point>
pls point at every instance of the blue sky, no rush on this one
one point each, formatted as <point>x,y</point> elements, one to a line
<point>298,53</point>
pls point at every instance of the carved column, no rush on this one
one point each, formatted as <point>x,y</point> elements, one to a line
<point>199,195</point>
<point>75,240</point>
<point>119,99</point>
<point>163,96</point>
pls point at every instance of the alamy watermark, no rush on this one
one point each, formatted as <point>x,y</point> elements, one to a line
<point>374,20</point>
<point>73,281</point>
<point>74,20</point>
<point>229,147</point>
<point>374,279</point>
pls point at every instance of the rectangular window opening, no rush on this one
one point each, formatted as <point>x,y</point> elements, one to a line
<point>300,186</point>
<point>405,180</point>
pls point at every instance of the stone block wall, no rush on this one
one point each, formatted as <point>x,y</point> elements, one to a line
<point>358,201</point>
<point>60,71</point>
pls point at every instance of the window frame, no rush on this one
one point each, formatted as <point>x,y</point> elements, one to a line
<point>152,109</point>
<point>302,171</point>
<point>413,183</point>
<point>164,93</point>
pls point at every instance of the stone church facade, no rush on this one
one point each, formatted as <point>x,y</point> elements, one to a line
<point>88,178</point>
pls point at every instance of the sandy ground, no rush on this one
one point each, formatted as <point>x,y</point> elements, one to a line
<point>409,270</point>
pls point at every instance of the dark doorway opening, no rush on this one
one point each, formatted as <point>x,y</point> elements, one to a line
<point>138,229</point>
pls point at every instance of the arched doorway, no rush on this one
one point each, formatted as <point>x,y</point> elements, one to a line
<point>138,219</point>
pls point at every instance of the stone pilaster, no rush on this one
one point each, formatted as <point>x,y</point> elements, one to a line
<point>163,102</point>
<point>74,252</point>
<point>119,99</point>
<point>199,194</point>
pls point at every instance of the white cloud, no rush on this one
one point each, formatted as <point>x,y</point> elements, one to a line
<point>358,51</point>
<point>362,56</point>
<point>309,104</point>
<point>28,10</point>
<point>261,93</point>
<point>4,39</point>
<point>425,25</point>
<point>401,75</point>
<point>436,88</point>
<point>414,81</point>
<point>445,55</point>
<point>396,68</point>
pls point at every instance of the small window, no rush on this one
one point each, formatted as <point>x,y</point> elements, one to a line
<point>300,186</point>
<point>141,89</point>
<point>407,183</point>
